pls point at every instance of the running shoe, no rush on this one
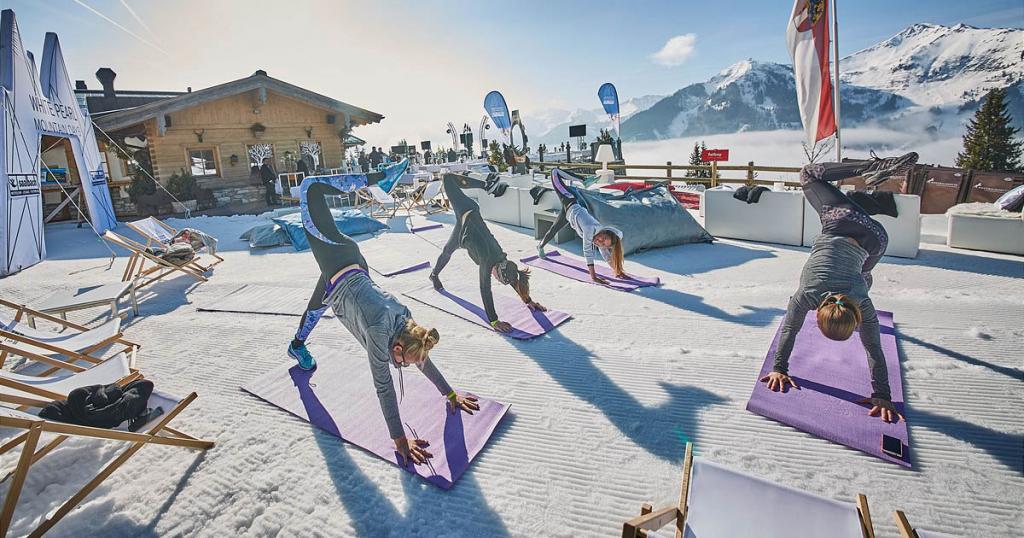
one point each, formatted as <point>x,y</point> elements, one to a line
<point>301,354</point>
<point>881,169</point>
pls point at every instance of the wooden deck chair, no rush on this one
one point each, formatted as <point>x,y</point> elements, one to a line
<point>430,193</point>
<point>28,393</point>
<point>907,531</point>
<point>136,269</point>
<point>715,501</point>
<point>159,233</point>
<point>376,202</point>
<point>72,349</point>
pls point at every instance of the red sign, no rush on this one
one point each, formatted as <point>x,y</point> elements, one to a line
<point>714,155</point>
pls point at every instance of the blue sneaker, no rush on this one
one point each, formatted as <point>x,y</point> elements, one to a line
<point>302,355</point>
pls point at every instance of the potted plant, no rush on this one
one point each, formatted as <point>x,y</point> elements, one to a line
<point>182,186</point>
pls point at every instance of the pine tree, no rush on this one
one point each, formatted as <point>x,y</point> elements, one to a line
<point>496,157</point>
<point>695,160</point>
<point>989,141</point>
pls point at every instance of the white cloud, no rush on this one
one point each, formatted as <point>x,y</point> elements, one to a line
<point>676,50</point>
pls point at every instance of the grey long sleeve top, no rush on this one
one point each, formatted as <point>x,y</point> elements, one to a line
<point>375,318</point>
<point>834,266</point>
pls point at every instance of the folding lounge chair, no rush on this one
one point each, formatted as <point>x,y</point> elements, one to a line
<point>136,269</point>
<point>159,233</point>
<point>907,531</point>
<point>29,393</point>
<point>718,502</point>
<point>426,195</point>
<point>378,203</point>
<point>60,350</point>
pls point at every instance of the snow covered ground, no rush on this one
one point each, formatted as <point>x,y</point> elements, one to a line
<point>601,408</point>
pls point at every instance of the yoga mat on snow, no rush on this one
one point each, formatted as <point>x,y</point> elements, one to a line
<point>832,377</point>
<point>576,269</point>
<point>339,398</point>
<point>526,324</point>
<point>387,269</point>
<point>256,299</point>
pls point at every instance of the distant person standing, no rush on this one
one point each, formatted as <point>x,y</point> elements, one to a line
<point>427,157</point>
<point>376,157</point>
<point>452,157</point>
<point>269,177</point>
<point>302,167</point>
<point>364,163</point>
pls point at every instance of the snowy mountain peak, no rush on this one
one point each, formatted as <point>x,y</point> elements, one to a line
<point>935,65</point>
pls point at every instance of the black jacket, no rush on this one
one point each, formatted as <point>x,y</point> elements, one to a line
<point>101,406</point>
<point>267,173</point>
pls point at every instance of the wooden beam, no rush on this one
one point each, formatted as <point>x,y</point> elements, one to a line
<point>866,527</point>
<point>19,479</point>
<point>903,524</point>
<point>684,490</point>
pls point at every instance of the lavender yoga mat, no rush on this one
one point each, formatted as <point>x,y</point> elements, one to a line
<point>576,269</point>
<point>526,324</point>
<point>833,376</point>
<point>339,398</point>
<point>392,270</point>
<point>426,227</point>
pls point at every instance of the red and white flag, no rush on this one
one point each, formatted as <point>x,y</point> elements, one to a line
<point>808,40</point>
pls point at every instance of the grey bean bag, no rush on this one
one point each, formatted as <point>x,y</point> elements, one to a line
<point>648,218</point>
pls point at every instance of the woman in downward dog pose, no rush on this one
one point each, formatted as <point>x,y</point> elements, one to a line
<point>375,318</point>
<point>837,275</point>
<point>471,233</point>
<point>607,239</point>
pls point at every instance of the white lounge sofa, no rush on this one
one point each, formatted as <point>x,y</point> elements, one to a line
<point>984,227</point>
<point>904,231</point>
<point>777,217</point>
<point>515,207</point>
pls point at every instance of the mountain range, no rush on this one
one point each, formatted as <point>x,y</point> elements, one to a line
<point>928,76</point>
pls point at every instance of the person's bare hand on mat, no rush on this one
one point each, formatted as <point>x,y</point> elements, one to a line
<point>465,403</point>
<point>502,326</point>
<point>777,381</point>
<point>882,408</point>
<point>412,449</point>
<point>535,306</point>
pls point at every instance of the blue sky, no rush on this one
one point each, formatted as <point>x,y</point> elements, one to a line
<point>424,63</point>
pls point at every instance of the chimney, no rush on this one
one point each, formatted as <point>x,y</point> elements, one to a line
<point>80,85</point>
<point>106,77</point>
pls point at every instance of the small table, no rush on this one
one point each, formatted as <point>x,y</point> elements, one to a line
<point>544,219</point>
<point>65,301</point>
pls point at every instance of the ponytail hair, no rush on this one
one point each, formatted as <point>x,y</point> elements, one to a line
<point>838,316</point>
<point>417,339</point>
<point>617,259</point>
<point>521,283</point>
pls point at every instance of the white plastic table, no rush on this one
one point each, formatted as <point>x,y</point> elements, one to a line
<point>65,301</point>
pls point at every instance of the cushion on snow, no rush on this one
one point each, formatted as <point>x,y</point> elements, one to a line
<point>266,236</point>
<point>777,217</point>
<point>349,222</point>
<point>1003,233</point>
<point>648,218</point>
<point>904,231</point>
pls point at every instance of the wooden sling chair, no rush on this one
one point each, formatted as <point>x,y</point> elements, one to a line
<point>907,531</point>
<point>22,396</point>
<point>73,349</point>
<point>378,203</point>
<point>137,271</point>
<point>715,501</point>
<point>159,233</point>
<point>428,194</point>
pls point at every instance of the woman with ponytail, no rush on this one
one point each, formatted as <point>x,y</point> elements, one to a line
<point>607,239</point>
<point>376,319</point>
<point>471,233</point>
<point>837,275</point>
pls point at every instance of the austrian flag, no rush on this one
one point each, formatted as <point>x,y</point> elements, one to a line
<point>808,40</point>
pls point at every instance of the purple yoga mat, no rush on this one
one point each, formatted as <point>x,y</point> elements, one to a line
<point>388,270</point>
<point>426,227</point>
<point>339,398</point>
<point>576,269</point>
<point>526,324</point>
<point>832,377</point>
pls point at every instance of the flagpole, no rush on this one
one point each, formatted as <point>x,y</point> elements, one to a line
<point>835,51</point>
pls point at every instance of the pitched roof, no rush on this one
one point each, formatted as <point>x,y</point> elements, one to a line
<point>259,79</point>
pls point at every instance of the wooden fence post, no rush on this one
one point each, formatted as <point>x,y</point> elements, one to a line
<point>668,169</point>
<point>750,173</point>
<point>714,173</point>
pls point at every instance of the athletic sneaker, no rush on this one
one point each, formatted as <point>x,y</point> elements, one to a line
<point>882,169</point>
<point>436,281</point>
<point>541,253</point>
<point>149,414</point>
<point>302,355</point>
